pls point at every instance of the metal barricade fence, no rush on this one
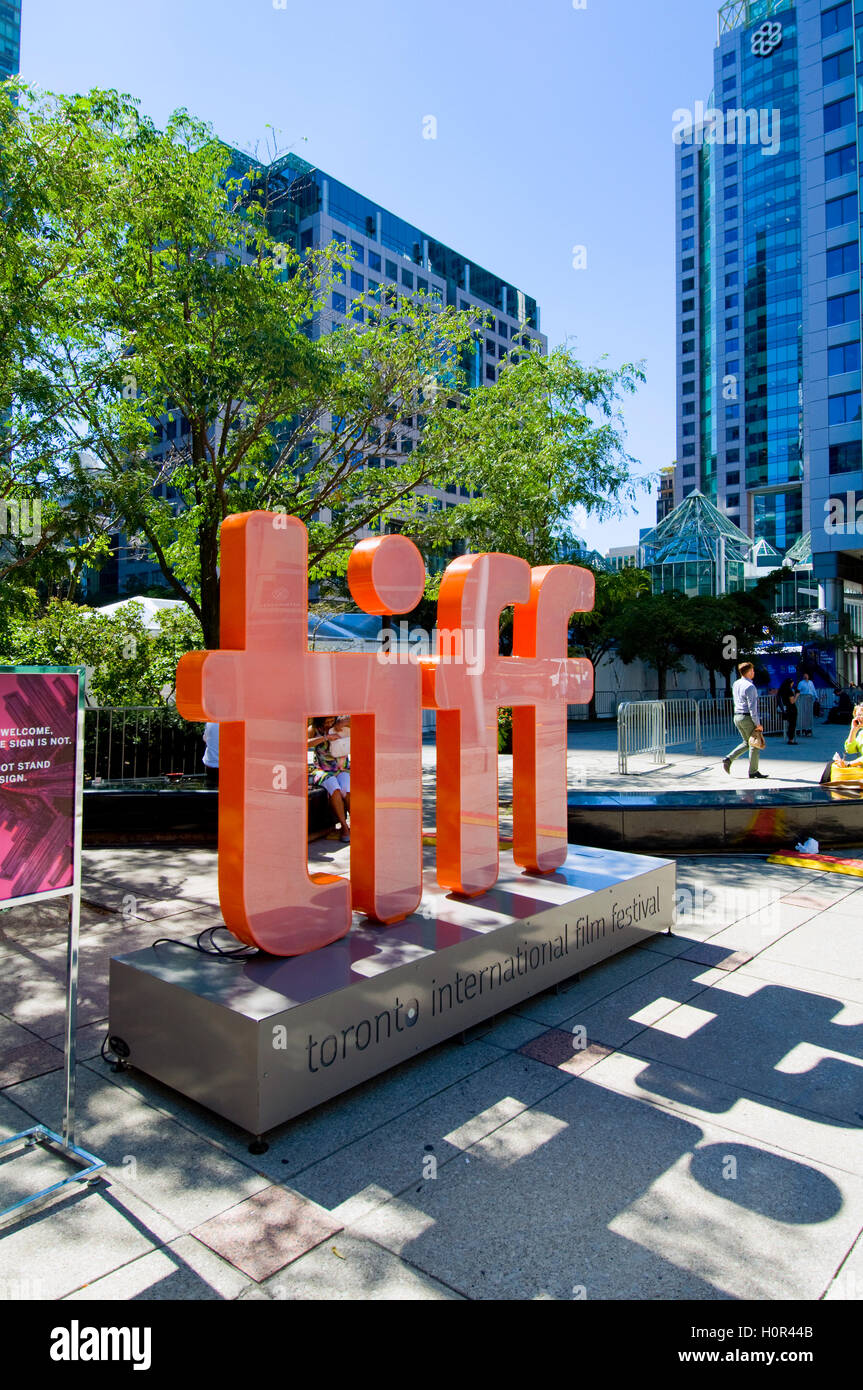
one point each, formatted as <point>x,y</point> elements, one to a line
<point>651,727</point>
<point>640,729</point>
<point>140,742</point>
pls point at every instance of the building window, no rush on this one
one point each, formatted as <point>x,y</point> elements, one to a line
<point>687,286</point>
<point>339,274</point>
<point>340,304</point>
<point>732,323</point>
<point>732,257</point>
<point>689,408</point>
<point>687,203</point>
<point>374,261</point>
<point>844,409</point>
<point>689,452</point>
<point>844,358</point>
<point>688,429</point>
<point>688,263</point>
<point>732,368</point>
<point>732,279</point>
<point>688,243</point>
<point>688,182</point>
<point>732,501</point>
<point>689,388</point>
<point>733,478</point>
<point>733,433</point>
<point>688,326</point>
<point>359,252</point>
<point>688,306</point>
<point>729,84</point>
<point>732,301</point>
<point>357,282</point>
<point>839,113</point>
<point>842,259</point>
<point>843,308</point>
<point>732,412</point>
<point>688,346</point>
<point>357,313</point>
<point>839,162</point>
<point>841,210</point>
<point>846,458</point>
<point>837,66</point>
<point>732,344</point>
<point>408,278</point>
<point>833,21</point>
<point>489,373</point>
<point>732,456</point>
<point>422,286</point>
<point>686,161</point>
<point>392,270</point>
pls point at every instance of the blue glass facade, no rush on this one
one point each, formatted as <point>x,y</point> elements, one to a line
<point>768,271</point>
<point>10,38</point>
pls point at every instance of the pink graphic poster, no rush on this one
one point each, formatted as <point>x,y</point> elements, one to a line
<point>38,725</point>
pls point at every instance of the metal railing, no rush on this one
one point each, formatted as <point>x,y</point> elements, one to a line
<point>641,729</point>
<point>140,742</point>
<point>651,727</point>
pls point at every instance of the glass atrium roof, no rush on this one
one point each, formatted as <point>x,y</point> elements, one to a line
<point>691,532</point>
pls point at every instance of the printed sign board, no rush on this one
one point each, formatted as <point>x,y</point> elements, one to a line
<point>39,712</point>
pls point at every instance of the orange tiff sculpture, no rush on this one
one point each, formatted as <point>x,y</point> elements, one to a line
<point>263,685</point>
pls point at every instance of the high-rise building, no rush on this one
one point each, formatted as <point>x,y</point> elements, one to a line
<point>665,499</point>
<point>309,209</point>
<point>10,37</point>
<point>768,283</point>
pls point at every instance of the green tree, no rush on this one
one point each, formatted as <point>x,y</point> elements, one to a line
<point>658,631</point>
<point>126,664</point>
<point>595,634</point>
<point>176,298</point>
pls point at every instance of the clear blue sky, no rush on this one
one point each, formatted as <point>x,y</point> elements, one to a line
<point>554,130</point>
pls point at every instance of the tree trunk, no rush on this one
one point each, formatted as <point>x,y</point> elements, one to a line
<point>209,549</point>
<point>712,675</point>
<point>662,681</point>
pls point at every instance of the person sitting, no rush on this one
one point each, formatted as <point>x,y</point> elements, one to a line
<point>329,738</point>
<point>853,747</point>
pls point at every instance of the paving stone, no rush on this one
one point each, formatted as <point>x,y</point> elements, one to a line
<point>165,1163</point>
<point>599,1192</point>
<point>559,1049</point>
<point>182,1269</point>
<point>267,1231</point>
<point>413,1148</point>
<point>352,1269</point>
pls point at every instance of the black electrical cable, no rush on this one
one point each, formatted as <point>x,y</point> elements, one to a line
<point>213,949</point>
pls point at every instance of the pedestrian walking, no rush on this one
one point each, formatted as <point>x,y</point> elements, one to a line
<point>746,721</point>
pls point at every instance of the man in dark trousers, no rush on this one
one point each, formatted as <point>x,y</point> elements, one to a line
<point>746,720</point>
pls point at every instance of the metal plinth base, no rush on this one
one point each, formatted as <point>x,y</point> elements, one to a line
<point>40,1134</point>
<point>262,1040</point>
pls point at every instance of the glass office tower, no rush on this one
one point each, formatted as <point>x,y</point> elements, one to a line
<point>10,37</point>
<point>768,282</point>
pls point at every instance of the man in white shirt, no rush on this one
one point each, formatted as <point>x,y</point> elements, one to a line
<point>807,695</point>
<point>746,719</point>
